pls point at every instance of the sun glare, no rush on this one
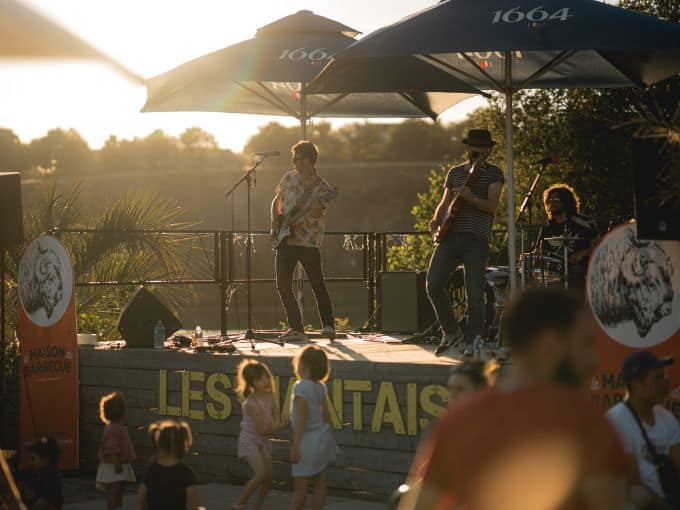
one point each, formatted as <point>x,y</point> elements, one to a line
<point>149,38</point>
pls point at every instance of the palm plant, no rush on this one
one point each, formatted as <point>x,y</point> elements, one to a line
<point>124,243</point>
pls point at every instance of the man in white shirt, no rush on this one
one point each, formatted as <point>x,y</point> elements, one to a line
<point>645,378</point>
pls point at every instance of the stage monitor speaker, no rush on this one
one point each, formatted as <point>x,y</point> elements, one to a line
<point>654,221</point>
<point>138,319</point>
<point>403,302</point>
<point>11,223</point>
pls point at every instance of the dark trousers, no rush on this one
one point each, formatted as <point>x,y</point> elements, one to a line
<point>287,258</point>
<point>472,252</point>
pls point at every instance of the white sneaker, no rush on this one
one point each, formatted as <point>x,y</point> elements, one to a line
<point>292,336</point>
<point>328,332</point>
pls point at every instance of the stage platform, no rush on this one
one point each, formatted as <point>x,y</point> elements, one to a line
<point>384,393</point>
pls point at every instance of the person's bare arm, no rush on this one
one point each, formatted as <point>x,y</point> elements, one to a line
<point>300,405</point>
<point>141,497</point>
<point>442,207</point>
<point>422,496</point>
<point>487,205</point>
<point>275,211</point>
<point>192,498</point>
<point>604,492</point>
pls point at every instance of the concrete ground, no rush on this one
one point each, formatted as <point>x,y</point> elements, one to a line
<point>80,494</point>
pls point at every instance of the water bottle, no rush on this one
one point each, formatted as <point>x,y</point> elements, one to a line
<point>478,347</point>
<point>198,335</point>
<point>159,335</point>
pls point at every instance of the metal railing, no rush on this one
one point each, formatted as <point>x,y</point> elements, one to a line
<point>223,257</point>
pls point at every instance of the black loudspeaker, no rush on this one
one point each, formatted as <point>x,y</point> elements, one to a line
<point>654,221</point>
<point>403,302</point>
<point>11,223</point>
<point>138,319</point>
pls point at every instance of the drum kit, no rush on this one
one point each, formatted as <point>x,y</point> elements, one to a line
<point>535,269</point>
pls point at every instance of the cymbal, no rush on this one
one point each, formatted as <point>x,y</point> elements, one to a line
<point>503,220</point>
<point>557,239</point>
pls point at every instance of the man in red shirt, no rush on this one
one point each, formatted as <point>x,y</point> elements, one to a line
<point>537,441</point>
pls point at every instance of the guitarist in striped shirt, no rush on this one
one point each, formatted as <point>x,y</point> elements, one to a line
<point>467,211</point>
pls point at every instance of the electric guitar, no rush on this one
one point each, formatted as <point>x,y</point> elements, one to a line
<point>287,220</point>
<point>455,205</point>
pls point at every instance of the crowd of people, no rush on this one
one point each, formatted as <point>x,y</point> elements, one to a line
<point>529,438</point>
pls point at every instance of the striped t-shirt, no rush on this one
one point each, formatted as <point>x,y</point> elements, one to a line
<point>471,219</point>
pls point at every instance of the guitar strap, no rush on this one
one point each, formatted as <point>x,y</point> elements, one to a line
<point>306,195</point>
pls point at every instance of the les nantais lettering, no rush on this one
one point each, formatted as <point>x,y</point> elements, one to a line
<point>211,396</point>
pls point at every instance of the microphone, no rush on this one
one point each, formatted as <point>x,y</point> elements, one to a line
<point>550,158</point>
<point>267,154</point>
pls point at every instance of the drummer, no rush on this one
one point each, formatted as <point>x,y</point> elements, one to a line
<point>567,226</point>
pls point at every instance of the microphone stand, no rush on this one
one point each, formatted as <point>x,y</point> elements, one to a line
<point>249,176</point>
<point>527,205</point>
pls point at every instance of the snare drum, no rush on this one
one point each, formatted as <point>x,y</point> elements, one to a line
<point>545,269</point>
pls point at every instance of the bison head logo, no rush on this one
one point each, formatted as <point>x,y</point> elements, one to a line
<point>631,280</point>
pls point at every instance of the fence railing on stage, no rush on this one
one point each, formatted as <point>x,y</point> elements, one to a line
<point>219,259</point>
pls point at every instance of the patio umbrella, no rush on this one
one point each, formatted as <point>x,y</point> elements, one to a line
<point>508,45</point>
<point>268,75</point>
<point>26,34</point>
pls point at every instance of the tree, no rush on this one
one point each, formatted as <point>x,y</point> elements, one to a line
<point>64,151</point>
<point>418,140</point>
<point>159,150</point>
<point>272,136</point>
<point>12,151</point>
<point>592,131</point>
<point>104,257</point>
<point>363,141</point>
<point>196,138</point>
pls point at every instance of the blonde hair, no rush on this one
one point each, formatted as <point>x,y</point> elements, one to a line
<point>315,360</point>
<point>112,407</point>
<point>171,436</point>
<point>248,371</point>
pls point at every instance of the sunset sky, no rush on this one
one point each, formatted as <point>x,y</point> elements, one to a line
<point>149,37</point>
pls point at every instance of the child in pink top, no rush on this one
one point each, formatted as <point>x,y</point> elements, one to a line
<point>260,421</point>
<point>115,450</point>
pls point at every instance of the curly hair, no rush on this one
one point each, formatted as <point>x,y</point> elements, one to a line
<point>315,361</point>
<point>171,436</point>
<point>112,407</point>
<point>566,194</point>
<point>248,371</point>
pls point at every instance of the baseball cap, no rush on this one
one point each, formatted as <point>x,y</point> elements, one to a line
<point>639,363</point>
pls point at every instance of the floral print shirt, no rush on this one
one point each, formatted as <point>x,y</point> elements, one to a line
<point>308,230</point>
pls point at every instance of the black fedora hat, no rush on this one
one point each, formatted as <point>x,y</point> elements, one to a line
<point>479,138</point>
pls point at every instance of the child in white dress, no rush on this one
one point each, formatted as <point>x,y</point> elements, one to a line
<point>313,445</point>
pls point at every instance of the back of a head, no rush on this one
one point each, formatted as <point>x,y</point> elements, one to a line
<point>47,448</point>
<point>539,309</point>
<point>171,436</point>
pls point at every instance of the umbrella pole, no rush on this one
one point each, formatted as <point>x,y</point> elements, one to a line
<point>511,174</point>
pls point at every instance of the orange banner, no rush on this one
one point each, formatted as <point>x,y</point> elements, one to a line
<point>633,289</point>
<point>49,350</point>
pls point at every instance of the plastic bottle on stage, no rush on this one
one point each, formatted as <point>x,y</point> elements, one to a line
<point>198,335</point>
<point>478,347</point>
<point>159,335</point>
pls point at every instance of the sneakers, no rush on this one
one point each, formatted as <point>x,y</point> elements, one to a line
<point>328,332</point>
<point>448,340</point>
<point>292,336</point>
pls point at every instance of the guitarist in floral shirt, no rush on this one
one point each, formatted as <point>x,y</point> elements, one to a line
<point>474,188</point>
<point>300,206</point>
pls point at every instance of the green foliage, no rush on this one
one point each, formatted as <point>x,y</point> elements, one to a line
<point>343,324</point>
<point>415,253</point>
<point>127,256</point>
